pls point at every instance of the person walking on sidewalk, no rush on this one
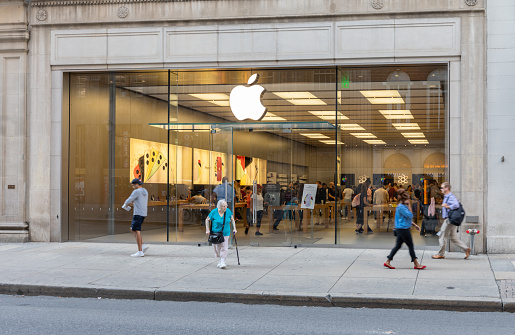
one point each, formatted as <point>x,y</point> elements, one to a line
<point>449,230</point>
<point>215,222</point>
<point>403,223</point>
<point>138,199</point>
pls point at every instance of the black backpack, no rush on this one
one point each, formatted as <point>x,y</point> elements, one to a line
<point>457,215</point>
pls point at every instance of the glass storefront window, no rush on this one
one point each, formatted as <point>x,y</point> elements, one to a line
<point>349,130</point>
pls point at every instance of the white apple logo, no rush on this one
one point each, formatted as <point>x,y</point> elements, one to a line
<point>245,101</point>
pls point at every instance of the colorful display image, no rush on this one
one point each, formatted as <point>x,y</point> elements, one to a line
<point>218,168</point>
<point>250,169</point>
<point>307,200</point>
<point>148,161</point>
<point>197,166</point>
<point>208,166</point>
<point>308,196</point>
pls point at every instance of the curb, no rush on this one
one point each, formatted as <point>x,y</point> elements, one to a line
<point>76,292</point>
<point>318,300</point>
<point>509,305</point>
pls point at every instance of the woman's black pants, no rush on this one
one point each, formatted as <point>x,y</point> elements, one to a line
<point>403,236</point>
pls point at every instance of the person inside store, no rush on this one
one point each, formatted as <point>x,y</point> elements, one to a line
<point>392,192</point>
<point>256,203</point>
<point>347,199</point>
<point>290,199</point>
<point>380,199</point>
<point>300,192</point>
<point>224,191</point>
<point>220,219</point>
<point>198,199</point>
<point>239,192</point>
<point>320,198</point>
<point>403,224</point>
<point>279,213</point>
<point>332,196</point>
<point>364,202</point>
<point>248,214</point>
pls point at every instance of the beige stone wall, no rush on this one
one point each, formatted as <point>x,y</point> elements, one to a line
<point>202,34</point>
<point>13,89</point>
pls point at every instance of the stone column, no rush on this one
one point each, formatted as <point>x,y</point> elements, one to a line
<point>14,36</point>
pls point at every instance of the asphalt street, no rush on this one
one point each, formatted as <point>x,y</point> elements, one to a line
<point>54,315</point>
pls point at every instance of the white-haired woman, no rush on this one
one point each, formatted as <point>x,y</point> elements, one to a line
<point>215,222</point>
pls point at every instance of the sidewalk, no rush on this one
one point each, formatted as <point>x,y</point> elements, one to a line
<point>289,276</point>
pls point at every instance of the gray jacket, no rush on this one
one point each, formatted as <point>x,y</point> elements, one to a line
<point>140,198</point>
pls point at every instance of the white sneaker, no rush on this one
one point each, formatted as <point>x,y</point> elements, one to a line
<point>138,254</point>
<point>218,265</point>
<point>222,264</point>
<point>145,247</point>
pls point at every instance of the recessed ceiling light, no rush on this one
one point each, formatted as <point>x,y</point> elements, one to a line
<point>396,114</point>
<point>351,126</point>
<point>383,97</point>
<point>272,117</point>
<point>331,142</point>
<point>307,102</point>
<point>385,101</point>
<point>364,135</point>
<point>406,126</point>
<point>314,135</point>
<point>219,99</point>
<point>413,135</point>
<point>381,94</point>
<point>329,115</point>
<point>211,96</point>
<point>295,95</point>
<point>223,103</point>
<point>418,141</point>
<point>301,98</point>
<point>374,141</point>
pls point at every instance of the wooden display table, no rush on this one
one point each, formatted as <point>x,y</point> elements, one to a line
<point>306,215</point>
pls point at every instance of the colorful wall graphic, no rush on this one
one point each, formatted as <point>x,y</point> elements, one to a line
<point>209,167</point>
<point>248,169</point>
<point>148,161</point>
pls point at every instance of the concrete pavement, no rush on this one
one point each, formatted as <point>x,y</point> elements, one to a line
<point>290,276</point>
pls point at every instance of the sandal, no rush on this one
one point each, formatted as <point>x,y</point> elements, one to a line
<point>388,266</point>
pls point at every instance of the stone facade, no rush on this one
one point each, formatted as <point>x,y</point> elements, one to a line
<point>109,35</point>
<point>501,122</point>
<point>14,37</point>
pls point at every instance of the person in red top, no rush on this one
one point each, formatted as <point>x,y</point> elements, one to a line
<point>392,192</point>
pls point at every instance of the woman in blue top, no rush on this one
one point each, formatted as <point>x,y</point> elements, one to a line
<point>215,221</point>
<point>403,223</point>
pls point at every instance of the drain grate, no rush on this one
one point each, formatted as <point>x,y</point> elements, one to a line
<point>507,288</point>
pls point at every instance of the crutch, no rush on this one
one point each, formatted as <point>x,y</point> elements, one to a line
<point>236,244</point>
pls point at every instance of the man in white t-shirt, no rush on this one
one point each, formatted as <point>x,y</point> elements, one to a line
<point>347,197</point>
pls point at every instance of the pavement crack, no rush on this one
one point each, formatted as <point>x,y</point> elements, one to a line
<point>344,272</point>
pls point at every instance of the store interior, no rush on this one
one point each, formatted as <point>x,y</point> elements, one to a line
<point>341,125</point>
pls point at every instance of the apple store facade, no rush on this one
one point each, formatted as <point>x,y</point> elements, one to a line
<point>182,131</point>
<point>185,95</point>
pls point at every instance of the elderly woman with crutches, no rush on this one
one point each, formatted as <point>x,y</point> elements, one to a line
<point>219,220</point>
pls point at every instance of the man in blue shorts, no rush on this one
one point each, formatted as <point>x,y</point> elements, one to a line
<point>139,199</point>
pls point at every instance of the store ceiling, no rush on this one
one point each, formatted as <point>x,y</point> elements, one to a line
<point>425,101</point>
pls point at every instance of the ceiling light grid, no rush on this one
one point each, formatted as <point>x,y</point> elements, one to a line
<point>383,97</point>
<point>301,98</point>
<point>374,141</point>
<point>396,114</point>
